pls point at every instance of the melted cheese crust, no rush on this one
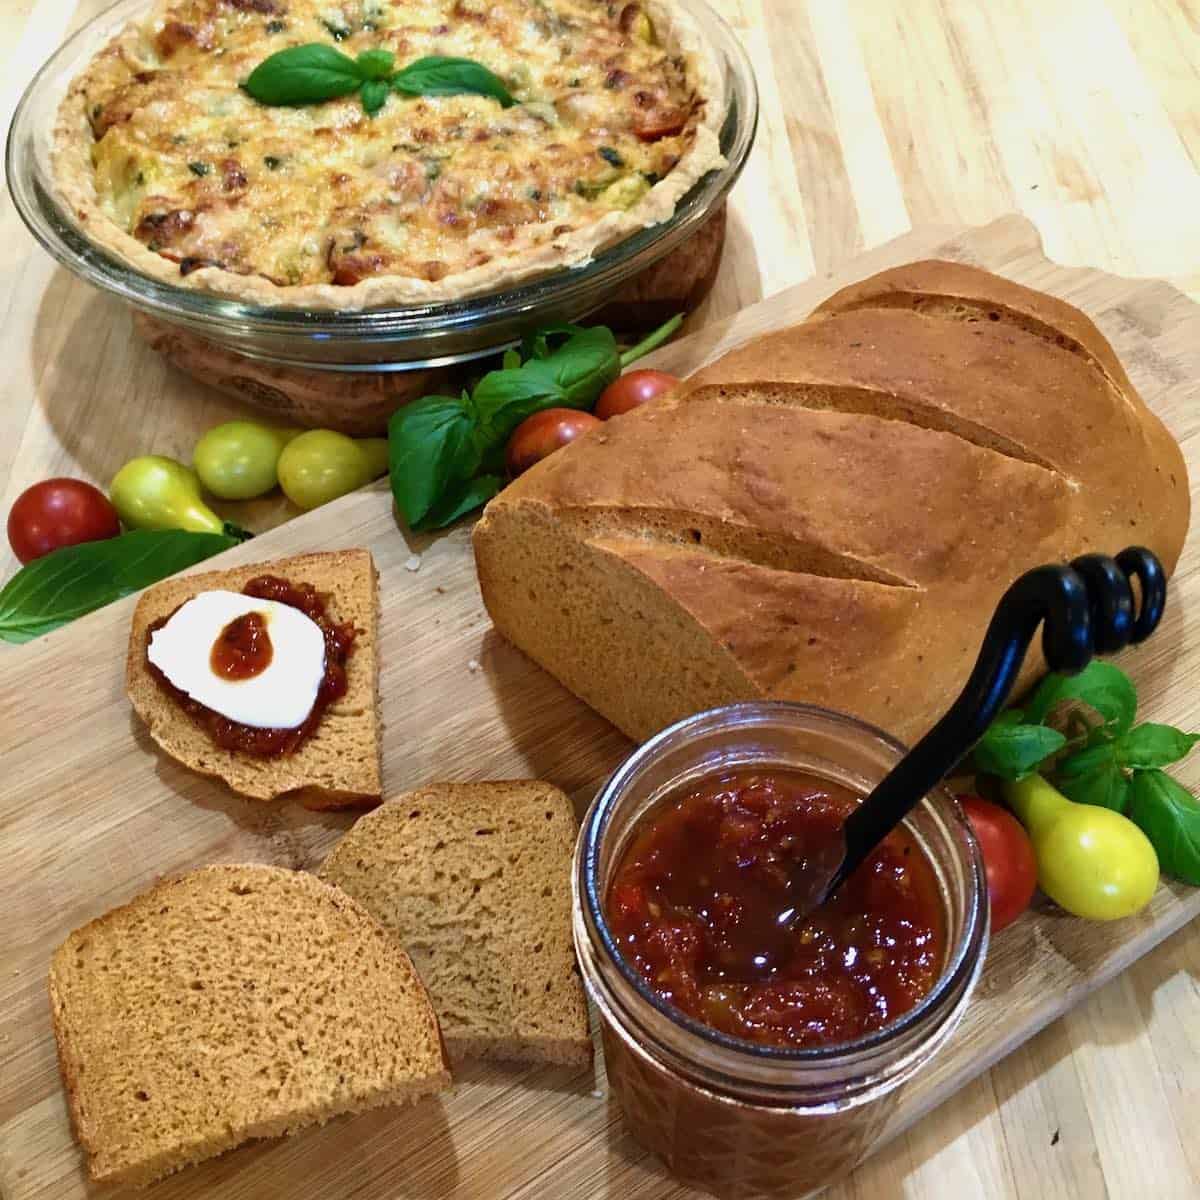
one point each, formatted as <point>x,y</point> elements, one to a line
<point>203,175</point>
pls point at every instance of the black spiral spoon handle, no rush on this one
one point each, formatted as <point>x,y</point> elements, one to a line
<point>1087,608</point>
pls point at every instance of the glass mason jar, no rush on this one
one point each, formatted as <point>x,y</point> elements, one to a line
<point>737,1118</point>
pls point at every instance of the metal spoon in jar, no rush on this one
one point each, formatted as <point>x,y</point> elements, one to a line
<point>1088,608</point>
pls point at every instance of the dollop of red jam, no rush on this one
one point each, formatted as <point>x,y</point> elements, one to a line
<point>243,648</point>
<point>694,902</point>
<point>272,743</point>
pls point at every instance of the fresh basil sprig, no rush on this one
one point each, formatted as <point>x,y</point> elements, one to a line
<point>75,580</point>
<point>447,452</point>
<point>1104,758</point>
<point>1019,741</point>
<point>316,72</point>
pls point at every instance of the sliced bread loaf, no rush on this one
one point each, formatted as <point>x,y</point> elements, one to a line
<point>235,1002</point>
<point>475,880</point>
<point>830,513</point>
<point>338,766</point>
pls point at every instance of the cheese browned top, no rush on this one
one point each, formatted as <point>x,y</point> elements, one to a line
<point>442,195</point>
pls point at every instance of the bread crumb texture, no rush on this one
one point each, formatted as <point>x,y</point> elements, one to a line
<point>235,1002</point>
<point>338,766</point>
<point>474,879</point>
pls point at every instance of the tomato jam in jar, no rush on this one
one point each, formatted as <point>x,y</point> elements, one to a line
<point>754,1059</point>
<point>696,901</point>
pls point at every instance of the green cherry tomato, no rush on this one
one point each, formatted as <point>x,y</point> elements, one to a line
<point>153,492</point>
<point>320,465</point>
<point>237,460</point>
<point>376,450</point>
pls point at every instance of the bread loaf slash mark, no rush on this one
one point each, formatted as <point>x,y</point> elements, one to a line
<point>887,406</point>
<point>959,308</point>
<point>678,529</point>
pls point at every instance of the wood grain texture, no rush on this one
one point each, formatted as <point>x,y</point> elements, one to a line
<point>88,821</point>
<point>1081,114</point>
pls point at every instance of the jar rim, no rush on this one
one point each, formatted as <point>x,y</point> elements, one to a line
<point>745,713</point>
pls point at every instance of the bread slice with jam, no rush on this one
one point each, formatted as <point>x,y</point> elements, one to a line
<point>338,765</point>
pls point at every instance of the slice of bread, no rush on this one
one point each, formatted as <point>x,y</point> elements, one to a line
<point>338,765</point>
<point>475,880</point>
<point>235,1002</point>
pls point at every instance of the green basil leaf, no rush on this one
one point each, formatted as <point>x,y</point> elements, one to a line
<point>1169,816</point>
<point>440,76</point>
<point>537,344</point>
<point>1010,716</point>
<point>511,360</point>
<point>582,367</point>
<point>375,64</point>
<point>433,446</point>
<point>504,399</point>
<point>374,95</point>
<point>1152,745</point>
<point>1104,785</point>
<point>534,345</point>
<point>303,75</point>
<point>1083,762</point>
<point>75,580</point>
<point>461,500</point>
<point>493,457</point>
<point>1100,685</point>
<point>1013,751</point>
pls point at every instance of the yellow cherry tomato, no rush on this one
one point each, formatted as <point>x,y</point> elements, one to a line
<point>153,492</point>
<point>237,460</point>
<point>1091,861</point>
<point>320,465</point>
<point>376,450</point>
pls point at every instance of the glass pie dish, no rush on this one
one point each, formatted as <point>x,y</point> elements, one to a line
<point>379,339</point>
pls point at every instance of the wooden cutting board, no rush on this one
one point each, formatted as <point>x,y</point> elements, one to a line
<point>90,814</point>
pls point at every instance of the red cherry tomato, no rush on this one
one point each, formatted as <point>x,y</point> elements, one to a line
<point>543,433</point>
<point>1007,858</point>
<point>632,390</point>
<point>57,513</point>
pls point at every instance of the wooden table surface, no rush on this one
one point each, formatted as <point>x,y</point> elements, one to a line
<point>877,116</point>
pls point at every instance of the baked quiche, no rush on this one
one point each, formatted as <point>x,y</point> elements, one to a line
<point>168,161</point>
